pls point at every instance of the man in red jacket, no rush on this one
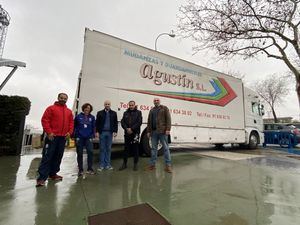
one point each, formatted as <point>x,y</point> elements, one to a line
<point>58,124</point>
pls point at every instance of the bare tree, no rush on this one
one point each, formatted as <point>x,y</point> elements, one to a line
<point>245,28</point>
<point>272,89</point>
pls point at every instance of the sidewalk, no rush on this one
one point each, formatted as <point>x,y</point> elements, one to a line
<point>201,190</point>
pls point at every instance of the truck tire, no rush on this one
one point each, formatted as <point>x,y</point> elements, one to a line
<point>253,141</point>
<point>146,145</point>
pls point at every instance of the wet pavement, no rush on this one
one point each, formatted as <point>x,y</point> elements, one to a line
<point>206,187</point>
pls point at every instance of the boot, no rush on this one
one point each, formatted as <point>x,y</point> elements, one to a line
<point>135,167</point>
<point>123,167</point>
<point>150,168</point>
<point>168,169</point>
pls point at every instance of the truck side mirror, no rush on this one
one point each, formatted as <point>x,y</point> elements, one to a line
<point>262,110</point>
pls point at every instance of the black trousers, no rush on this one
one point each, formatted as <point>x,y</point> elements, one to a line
<point>131,145</point>
<point>53,152</point>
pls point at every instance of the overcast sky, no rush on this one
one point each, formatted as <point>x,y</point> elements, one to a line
<point>48,36</point>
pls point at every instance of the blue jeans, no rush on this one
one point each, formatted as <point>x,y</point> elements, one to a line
<point>53,152</point>
<point>87,143</point>
<point>105,148</point>
<point>155,137</point>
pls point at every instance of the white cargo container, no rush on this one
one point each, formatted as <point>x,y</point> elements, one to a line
<point>206,106</point>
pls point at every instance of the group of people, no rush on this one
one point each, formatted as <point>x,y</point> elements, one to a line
<point>58,124</point>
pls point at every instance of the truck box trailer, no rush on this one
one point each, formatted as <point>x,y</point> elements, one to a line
<point>206,106</point>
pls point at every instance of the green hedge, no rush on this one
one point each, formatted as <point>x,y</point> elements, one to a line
<point>13,110</point>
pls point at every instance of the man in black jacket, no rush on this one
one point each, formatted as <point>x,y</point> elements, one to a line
<point>106,129</point>
<point>131,123</point>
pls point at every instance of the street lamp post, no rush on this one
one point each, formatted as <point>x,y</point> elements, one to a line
<point>170,35</point>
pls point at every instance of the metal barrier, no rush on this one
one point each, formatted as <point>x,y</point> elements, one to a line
<point>27,142</point>
<point>282,138</point>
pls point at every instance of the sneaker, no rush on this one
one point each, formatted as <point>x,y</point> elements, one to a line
<point>150,168</point>
<point>135,167</point>
<point>55,177</point>
<point>80,173</point>
<point>123,167</point>
<point>90,172</point>
<point>100,169</point>
<point>109,168</point>
<point>168,169</point>
<point>40,183</point>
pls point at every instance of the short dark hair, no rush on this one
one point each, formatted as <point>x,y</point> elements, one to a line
<point>62,94</point>
<point>131,101</point>
<point>85,105</point>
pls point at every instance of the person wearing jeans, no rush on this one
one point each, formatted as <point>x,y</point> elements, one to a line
<point>84,126</point>
<point>57,122</point>
<point>163,138</point>
<point>105,145</point>
<point>88,144</point>
<point>106,129</point>
<point>158,129</point>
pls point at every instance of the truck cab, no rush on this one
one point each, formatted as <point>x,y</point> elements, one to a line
<point>254,111</point>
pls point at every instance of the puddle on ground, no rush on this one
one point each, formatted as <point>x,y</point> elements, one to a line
<point>232,219</point>
<point>278,163</point>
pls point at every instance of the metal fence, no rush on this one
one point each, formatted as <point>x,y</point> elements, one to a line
<point>282,138</point>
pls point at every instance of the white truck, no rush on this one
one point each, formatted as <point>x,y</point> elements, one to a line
<point>206,106</point>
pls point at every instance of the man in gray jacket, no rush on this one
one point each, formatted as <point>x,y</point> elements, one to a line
<point>158,129</point>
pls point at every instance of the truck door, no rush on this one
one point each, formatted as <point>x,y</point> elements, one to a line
<point>253,116</point>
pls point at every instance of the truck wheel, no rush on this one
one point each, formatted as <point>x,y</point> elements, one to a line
<point>253,141</point>
<point>146,145</point>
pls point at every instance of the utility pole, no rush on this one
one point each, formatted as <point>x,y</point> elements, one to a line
<point>13,64</point>
<point>4,22</point>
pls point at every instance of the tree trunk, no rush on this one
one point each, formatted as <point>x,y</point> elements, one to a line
<point>297,78</point>
<point>274,115</point>
<point>298,90</point>
<point>296,72</point>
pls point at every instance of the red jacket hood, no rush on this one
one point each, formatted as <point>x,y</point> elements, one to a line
<point>58,119</point>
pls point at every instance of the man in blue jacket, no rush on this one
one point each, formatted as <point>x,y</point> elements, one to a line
<point>106,129</point>
<point>84,129</point>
